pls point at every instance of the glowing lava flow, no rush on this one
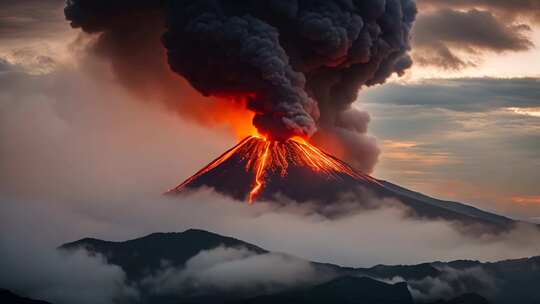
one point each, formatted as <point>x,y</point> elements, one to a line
<point>257,162</point>
<point>261,166</point>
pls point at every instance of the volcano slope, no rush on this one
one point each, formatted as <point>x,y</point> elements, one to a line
<point>294,170</point>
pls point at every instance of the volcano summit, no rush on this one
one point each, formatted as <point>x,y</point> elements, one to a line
<point>259,168</point>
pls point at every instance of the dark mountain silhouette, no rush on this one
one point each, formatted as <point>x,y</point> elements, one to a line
<point>278,171</point>
<point>468,298</point>
<point>341,290</point>
<point>138,256</point>
<point>344,290</point>
<point>8,297</point>
<point>514,281</point>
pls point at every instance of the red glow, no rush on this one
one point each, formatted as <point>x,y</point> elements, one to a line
<point>531,199</point>
<point>234,109</point>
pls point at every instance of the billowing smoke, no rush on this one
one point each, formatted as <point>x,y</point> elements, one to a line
<point>301,63</point>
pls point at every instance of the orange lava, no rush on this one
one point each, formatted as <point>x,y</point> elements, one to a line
<point>263,156</point>
<point>261,166</point>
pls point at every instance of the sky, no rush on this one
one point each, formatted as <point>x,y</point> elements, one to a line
<point>463,124</point>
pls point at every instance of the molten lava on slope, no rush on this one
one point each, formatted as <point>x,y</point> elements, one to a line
<point>259,168</point>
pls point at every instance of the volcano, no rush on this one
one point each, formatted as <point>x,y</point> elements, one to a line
<point>277,171</point>
<point>261,169</point>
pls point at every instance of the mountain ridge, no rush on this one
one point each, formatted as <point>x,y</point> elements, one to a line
<point>511,276</point>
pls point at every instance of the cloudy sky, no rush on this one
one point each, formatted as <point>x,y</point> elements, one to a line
<point>462,124</point>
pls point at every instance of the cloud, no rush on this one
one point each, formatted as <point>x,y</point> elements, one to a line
<point>37,270</point>
<point>532,111</point>
<point>465,94</point>
<point>474,123</point>
<point>442,36</point>
<point>454,282</point>
<point>29,60</point>
<point>418,153</point>
<point>526,199</point>
<point>31,19</point>
<point>224,269</point>
<point>90,120</point>
<point>5,66</point>
<point>507,8</point>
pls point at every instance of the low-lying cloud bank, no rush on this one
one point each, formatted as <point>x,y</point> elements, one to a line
<point>239,270</point>
<point>454,282</point>
<point>37,270</point>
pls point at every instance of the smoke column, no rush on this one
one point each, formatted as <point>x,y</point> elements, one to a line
<point>300,62</point>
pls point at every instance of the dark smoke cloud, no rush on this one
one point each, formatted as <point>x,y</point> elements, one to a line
<point>336,47</point>
<point>222,53</point>
<point>437,35</point>
<point>129,36</point>
<point>301,62</point>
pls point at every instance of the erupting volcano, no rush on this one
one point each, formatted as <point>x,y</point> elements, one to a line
<point>261,168</point>
<point>296,65</point>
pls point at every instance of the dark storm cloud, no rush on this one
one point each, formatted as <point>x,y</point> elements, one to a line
<point>466,94</point>
<point>438,34</point>
<point>31,18</point>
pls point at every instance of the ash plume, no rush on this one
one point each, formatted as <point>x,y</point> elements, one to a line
<point>301,62</point>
